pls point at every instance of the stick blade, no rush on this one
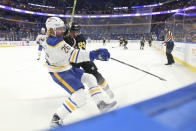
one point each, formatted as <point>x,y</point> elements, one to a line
<point>162,79</point>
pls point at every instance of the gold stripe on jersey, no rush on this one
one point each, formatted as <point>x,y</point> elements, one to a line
<point>73,57</point>
<point>56,44</point>
<point>64,82</point>
<point>56,66</point>
<point>59,65</point>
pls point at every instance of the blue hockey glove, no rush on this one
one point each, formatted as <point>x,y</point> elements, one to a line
<point>100,54</point>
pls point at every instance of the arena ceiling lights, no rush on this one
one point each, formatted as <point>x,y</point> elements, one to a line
<point>154,5</point>
<point>44,6</point>
<point>99,16</point>
<point>146,6</point>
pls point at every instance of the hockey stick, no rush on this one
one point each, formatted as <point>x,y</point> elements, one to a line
<point>115,46</point>
<point>71,20</point>
<point>138,69</point>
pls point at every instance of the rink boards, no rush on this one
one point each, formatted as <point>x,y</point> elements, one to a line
<point>17,43</point>
<point>174,111</point>
<point>183,52</point>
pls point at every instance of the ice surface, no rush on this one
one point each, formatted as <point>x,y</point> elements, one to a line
<point>29,97</point>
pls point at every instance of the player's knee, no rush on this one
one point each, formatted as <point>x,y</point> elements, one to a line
<point>89,80</point>
<point>79,98</point>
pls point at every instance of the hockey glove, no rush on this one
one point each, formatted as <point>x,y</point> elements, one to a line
<point>100,54</point>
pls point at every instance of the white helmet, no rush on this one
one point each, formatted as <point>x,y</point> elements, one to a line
<point>43,29</point>
<point>54,23</point>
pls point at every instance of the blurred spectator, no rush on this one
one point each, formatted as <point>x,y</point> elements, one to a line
<point>89,6</point>
<point>10,31</point>
<point>94,28</point>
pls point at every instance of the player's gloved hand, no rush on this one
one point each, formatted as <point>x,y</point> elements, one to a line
<point>100,54</point>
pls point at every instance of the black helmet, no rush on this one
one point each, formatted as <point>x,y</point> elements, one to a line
<point>75,27</point>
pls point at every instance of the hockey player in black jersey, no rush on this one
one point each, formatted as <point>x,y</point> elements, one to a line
<point>104,40</point>
<point>77,40</point>
<point>150,40</point>
<point>121,41</point>
<point>125,40</point>
<point>142,41</point>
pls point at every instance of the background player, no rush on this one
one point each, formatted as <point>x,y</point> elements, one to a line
<point>104,40</point>
<point>77,40</point>
<point>125,40</point>
<point>58,56</point>
<point>40,39</point>
<point>121,41</point>
<point>142,41</point>
<point>150,40</point>
<point>109,39</point>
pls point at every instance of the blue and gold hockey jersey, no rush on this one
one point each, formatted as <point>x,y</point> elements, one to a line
<point>59,54</point>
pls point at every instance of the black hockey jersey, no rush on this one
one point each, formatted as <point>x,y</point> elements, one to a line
<point>121,39</point>
<point>142,40</point>
<point>125,40</point>
<point>69,40</point>
<point>78,43</point>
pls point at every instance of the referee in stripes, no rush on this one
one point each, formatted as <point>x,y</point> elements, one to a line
<point>169,46</point>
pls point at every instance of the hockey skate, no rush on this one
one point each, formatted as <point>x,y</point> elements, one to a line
<point>103,106</point>
<point>168,63</point>
<point>56,121</point>
<point>125,47</point>
<point>108,92</point>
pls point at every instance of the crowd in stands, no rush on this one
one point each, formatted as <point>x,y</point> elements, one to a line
<point>11,31</point>
<point>89,6</point>
<point>15,31</point>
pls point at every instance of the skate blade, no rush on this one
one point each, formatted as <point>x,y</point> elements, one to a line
<point>110,108</point>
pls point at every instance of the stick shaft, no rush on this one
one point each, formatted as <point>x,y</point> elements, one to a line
<point>138,68</point>
<point>73,11</point>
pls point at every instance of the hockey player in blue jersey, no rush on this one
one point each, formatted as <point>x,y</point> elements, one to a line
<point>77,41</point>
<point>59,54</point>
<point>40,39</point>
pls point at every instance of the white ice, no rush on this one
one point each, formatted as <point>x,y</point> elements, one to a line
<point>29,97</point>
